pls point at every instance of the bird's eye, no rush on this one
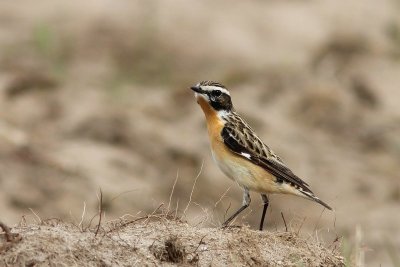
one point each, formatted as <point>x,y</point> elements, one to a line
<point>217,93</point>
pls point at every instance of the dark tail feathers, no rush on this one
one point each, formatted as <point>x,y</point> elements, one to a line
<point>311,196</point>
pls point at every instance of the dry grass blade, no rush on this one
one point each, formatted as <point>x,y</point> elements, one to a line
<point>284,221</point>
<point>301,225</point>
<point>37,216</point>
<point>319,219</point>
<point>154,212</point>
<point>194,184</point>
<point>100,212</point>
<point>172,191</point>
<point>176,209</point>
<point>122,193</point>
<point>227,209</point>
<point>83,215</point>
<point>222,196</point>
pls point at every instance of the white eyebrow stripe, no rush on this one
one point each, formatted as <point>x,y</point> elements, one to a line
<point>212,88</point>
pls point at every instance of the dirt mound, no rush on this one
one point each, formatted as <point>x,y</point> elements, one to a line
<point>155,241</point>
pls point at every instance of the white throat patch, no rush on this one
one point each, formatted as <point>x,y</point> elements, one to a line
<point>222,114</point>
<point>197,95</point>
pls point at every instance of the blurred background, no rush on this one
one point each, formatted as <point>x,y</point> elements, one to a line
<point>94,94</point>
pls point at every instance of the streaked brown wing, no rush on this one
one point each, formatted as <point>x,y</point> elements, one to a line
<point>239,143</point>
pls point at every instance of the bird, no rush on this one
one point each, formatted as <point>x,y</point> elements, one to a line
<point>241,155</point>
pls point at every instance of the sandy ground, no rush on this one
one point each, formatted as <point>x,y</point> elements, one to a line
<point>160,242</point>
<point>95,95</point>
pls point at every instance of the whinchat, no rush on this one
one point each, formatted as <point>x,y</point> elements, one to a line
<point>240,153</point>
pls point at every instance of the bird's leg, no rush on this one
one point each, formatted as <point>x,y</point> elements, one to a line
<point>245,204</point>
<point>266,202</point>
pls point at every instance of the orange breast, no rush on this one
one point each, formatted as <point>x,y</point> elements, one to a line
<point>214,123</point>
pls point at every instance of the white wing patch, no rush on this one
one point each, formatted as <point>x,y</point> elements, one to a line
<point>246,155</point>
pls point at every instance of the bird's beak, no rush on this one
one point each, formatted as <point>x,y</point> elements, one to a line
<point>197,89</point>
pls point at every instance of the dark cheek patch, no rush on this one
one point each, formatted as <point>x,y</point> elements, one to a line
<point>221,103</point>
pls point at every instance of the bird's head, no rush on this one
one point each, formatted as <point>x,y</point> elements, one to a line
<point>213,95</point>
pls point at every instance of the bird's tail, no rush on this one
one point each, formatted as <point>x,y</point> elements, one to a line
<point>312,197</point>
